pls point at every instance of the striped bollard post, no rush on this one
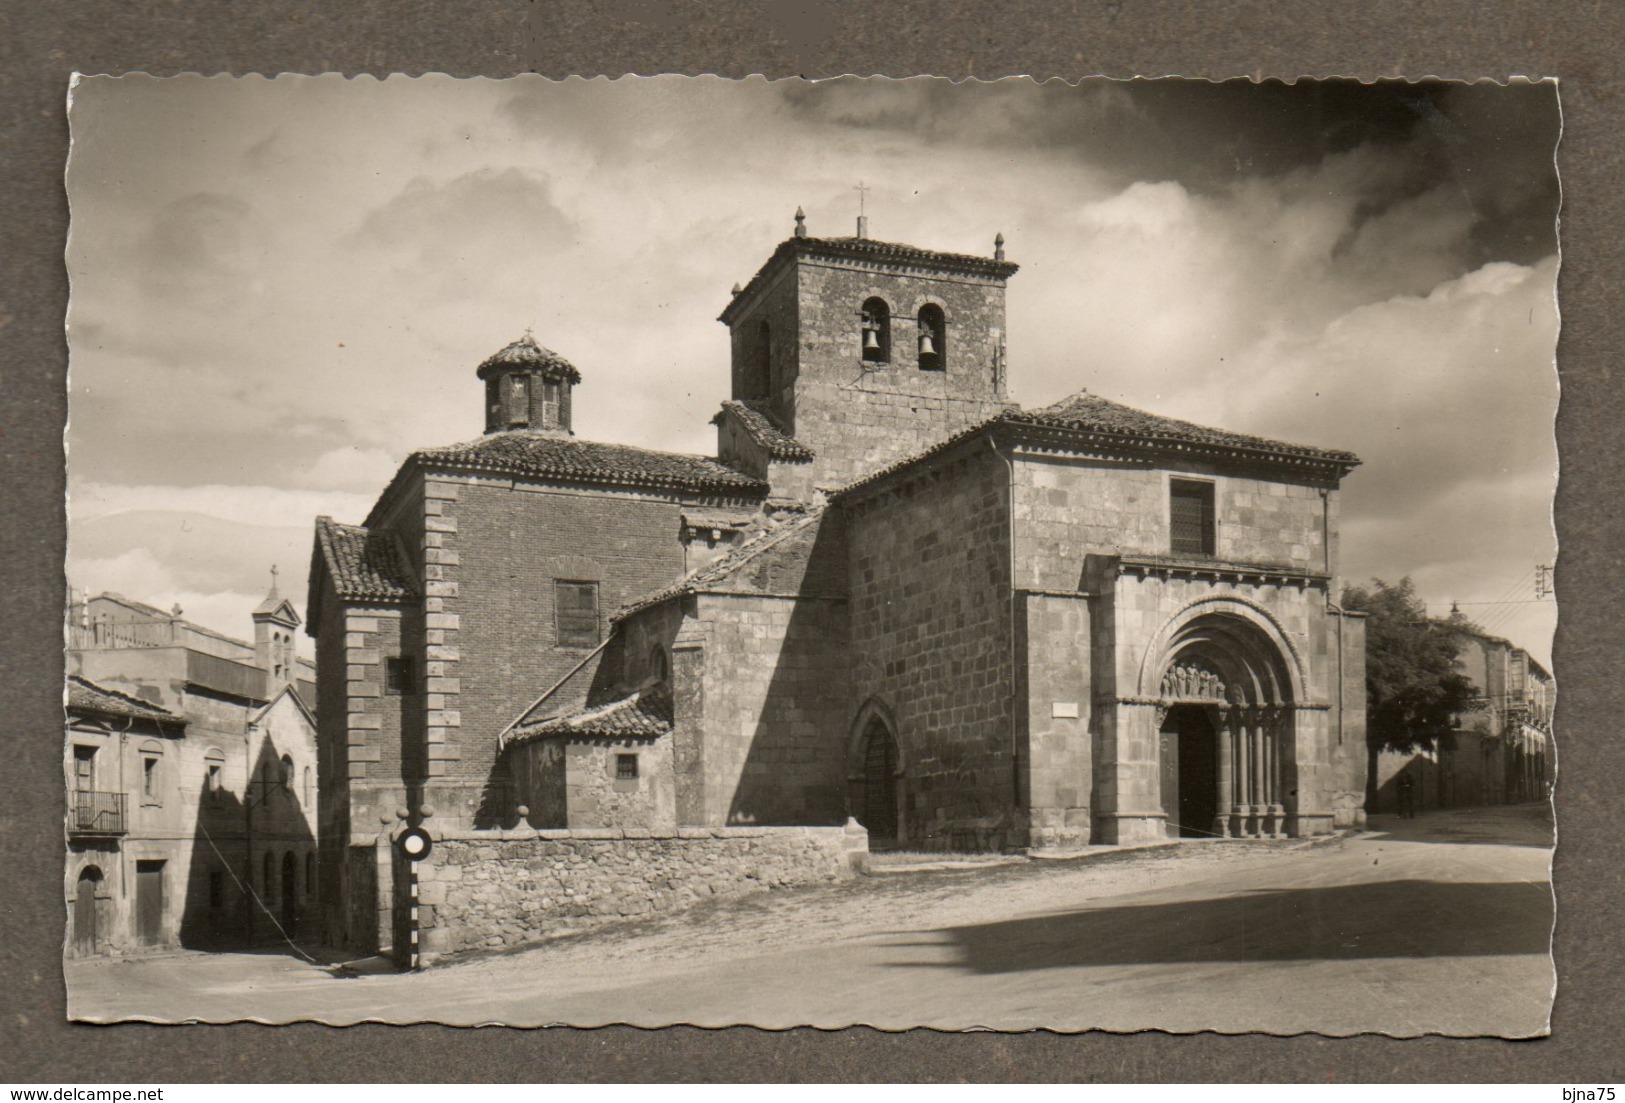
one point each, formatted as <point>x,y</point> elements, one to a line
<point>415,845</point>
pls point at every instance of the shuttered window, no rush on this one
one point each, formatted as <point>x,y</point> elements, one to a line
<point>1191,515</point>
<point>575,611</point>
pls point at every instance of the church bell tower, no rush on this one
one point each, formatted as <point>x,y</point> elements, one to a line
<point>867,351</point>
<point>528,387</point>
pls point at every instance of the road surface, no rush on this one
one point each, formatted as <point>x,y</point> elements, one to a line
<point>1436,925</point>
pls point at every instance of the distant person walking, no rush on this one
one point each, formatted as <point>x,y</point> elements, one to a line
<point>1407,797</point>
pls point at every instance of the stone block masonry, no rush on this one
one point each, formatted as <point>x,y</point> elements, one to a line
<point>494,889</point>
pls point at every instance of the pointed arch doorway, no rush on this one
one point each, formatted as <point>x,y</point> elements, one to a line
<point>875,777</point>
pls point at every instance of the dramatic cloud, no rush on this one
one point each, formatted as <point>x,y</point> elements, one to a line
<point>282,288</point>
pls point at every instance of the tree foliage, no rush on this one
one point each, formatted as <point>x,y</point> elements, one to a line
<point>1414,690</point>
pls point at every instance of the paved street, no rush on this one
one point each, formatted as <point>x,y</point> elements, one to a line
<point>1434,925</point>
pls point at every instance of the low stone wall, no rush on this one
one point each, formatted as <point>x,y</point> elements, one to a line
<point>490,889</point>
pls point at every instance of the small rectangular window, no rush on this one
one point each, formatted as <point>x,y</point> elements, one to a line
<point>575,613</point>
<point>84,769</point>
<point>1190,514</point>
<point>400,677</point>
<point>626,767</point>
<point>149,778</point>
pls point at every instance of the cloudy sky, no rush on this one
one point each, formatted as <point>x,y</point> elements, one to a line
<point>281,287</point>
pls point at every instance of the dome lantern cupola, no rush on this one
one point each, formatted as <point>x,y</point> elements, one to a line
<point>527,387</point>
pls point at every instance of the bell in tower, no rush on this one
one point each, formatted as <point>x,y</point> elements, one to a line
<point>528,387</point>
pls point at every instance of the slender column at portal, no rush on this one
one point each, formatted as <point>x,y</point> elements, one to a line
<point>1221,822</point>
<point>1261,795</point>
<point>1277,728</point>
<point>1243,789</point>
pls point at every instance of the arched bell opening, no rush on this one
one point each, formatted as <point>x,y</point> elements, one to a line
<point>1225,709</point>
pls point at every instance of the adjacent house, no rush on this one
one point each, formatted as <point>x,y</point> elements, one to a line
<point>191,779</point>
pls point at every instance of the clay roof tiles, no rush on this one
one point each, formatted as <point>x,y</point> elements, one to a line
<point>646,714</point>
<point>541,452</point>
<point>1100,422</point>
<point>86,696</point>
<point>765,432</point>
<point>526,353</point>
<point>364,565</point>
<point>1100,415</point>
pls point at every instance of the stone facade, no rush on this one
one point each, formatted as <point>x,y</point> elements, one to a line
<point>1501,753</point>
<point>893,596</point>
<point>192,780</point>
<point>480,890</point>
<point>797,332</point>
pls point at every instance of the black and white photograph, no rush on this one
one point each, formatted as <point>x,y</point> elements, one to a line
<point>985,555</point>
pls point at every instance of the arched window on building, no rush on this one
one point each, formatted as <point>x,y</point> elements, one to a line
<point>659,664</point>
<point>875,331</point>
<point>287,772</point>
<point>933,338</point>
<point>310,787</point>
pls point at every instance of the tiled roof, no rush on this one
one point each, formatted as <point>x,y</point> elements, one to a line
<point>895,251</point>
<point>539,452</point>
<point>1099,422</point>
<point>526,353</point>
<point>88,697</point>
<point>889,253</point>
<point>765,432</point>
<point>1099,415</point>
<point>646,714</point>
<point>714,575</point>
<point>363,564</point>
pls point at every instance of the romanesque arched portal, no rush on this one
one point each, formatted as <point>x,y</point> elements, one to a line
<point>1224,694</point>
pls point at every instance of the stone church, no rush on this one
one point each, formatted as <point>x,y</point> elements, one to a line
<point>892,595</point>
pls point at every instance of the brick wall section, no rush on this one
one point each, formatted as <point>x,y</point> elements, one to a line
<point>488,890</point>
<point>491,551</point>
<point>930,639</point>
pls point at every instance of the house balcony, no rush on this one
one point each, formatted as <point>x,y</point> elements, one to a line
<point>96,813</point>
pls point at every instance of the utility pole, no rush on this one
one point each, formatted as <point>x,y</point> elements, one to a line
<point>1543,580</point>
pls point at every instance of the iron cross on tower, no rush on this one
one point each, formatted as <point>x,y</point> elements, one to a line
<point>863,220</point>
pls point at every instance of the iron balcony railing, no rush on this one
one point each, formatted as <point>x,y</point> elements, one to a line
<point>96,813</point>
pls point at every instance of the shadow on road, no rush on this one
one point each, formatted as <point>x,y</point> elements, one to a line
<point>1517,825</point>
<point>1388,919</point>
